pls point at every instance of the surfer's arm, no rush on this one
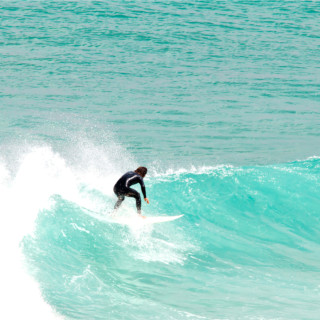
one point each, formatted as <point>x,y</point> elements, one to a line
<point>143,189</point>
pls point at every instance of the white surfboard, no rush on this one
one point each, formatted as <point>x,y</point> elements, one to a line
<point>136,219</point>
<point>130,219</point>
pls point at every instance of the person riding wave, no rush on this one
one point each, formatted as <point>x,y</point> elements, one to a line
<point>122,188</point>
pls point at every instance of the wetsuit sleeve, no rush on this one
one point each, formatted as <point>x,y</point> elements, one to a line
<point>143,188</point>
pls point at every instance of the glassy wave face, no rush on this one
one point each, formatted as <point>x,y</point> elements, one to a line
<point>247,246</point>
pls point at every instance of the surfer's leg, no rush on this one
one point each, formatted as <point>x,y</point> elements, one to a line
<point>118,203</point>
<point>120,194</point>
<point>135,194</point>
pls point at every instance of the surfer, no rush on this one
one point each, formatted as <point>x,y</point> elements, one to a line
<point>122,187</point>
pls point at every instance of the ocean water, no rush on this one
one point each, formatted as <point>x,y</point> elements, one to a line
<point>219,99</point>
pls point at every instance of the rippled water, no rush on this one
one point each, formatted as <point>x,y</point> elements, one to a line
<point>195,82</point>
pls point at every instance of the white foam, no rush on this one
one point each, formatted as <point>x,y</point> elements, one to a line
<point>20,294</point>
<point>27,185</point>
<point>192,169</point>
<point>143,244</point>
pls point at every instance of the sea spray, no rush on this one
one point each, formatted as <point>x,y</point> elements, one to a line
<point>28,184</point>
<point>21,295</point>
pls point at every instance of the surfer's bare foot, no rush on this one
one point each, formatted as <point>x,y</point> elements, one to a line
<point>143,217</point>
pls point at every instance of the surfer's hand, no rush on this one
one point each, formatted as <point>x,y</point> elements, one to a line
<point>146,200</point>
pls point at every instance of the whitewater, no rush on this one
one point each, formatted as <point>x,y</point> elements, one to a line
<point>219,100</point>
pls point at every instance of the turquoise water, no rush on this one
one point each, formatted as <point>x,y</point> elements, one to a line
<point>219,99</point>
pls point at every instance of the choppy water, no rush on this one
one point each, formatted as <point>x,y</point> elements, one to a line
<point>219,99</point>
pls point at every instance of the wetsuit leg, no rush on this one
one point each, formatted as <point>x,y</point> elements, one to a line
<point>134,194</point>
<point>118,203</point>
<point>120,194</point>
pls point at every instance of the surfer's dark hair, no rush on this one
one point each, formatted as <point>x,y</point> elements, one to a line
<point>142,171</point>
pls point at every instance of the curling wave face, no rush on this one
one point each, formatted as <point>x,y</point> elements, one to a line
<point>248,242</point>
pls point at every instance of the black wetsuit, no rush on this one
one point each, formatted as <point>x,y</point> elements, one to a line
<point>122,189</point>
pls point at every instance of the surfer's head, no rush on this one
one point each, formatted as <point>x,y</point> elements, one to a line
<point>142,171</point>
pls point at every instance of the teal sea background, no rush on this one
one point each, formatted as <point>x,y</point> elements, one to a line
<point>219,99</point>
